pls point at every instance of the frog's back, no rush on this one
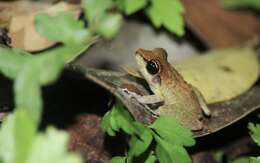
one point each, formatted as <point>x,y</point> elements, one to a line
<point>181,101</point>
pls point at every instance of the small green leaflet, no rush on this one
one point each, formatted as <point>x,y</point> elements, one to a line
<point>51,147</point>
<point>100,20</point>
<point>241,160</point>
<point>254,160</point>
<point>21,144</point>
<point>131,6</point>
<point>95,9</point>
<point>106,126</point>
<point>28,93</point>
<point>140,142</point>
<point>10,62</point>
<point>56,60</point>
<point>167,13</point>
<point>169,153</point>
<point>123,119</point>
<point>172,131</point>
<point>255,132</point>
<point>64,28</point>
<point>119,118</point>
<point>151,158</point>
<point>109,25</point>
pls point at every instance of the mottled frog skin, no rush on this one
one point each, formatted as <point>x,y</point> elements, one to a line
<point>179,98</point>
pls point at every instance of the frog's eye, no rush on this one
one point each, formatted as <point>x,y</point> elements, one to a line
<point>152,67</point>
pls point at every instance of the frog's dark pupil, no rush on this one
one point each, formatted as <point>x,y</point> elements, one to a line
<point>152,67</point>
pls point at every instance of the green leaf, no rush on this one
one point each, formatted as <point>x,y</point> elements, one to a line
<point>140,142</point>
<point>118,160</point>
<point>21,144</point>
<point>254,160</point>
<point>167,13</point>
<point>51,62</point>
<point>52,148</point>
<point>16,137</point>
<point>113,123</point>
<point>64,27</point>
<point>109,25</point>
<point>254,4</point>
<point>172,131</point>
<point>95,9</point>
<point>241,160</point>
<point>100,20</point>
<point>163,155</point>
<point>123,119</point>
<point>10,62</point>
<point>31,72</point>
<point>24,131</point>
<point>255,132</point>
<point>131,6</point>
<point>151,158</point>
<point>118,118</point>
<point>105,124</point>
<point>7,140</point>
<point>120,4</point>
<point>28,93</point>
<point>168,153</point>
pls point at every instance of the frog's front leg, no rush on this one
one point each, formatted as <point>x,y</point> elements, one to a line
<point>145,99</point>
<point>202,102</point>
<point>149,99</point>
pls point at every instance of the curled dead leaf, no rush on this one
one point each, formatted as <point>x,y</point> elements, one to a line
<point>223,113</point>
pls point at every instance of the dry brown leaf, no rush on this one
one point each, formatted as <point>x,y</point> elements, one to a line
<point>9,9</point>
<point>22,29</point>
<point>221,75</point>
<point>218,27</point>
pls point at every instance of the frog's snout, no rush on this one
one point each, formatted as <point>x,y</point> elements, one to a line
<point>141,51</point>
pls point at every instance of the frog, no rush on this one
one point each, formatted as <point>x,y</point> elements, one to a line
<point>177,97</point>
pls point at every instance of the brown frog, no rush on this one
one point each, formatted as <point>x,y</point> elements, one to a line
<point>179,98</point>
